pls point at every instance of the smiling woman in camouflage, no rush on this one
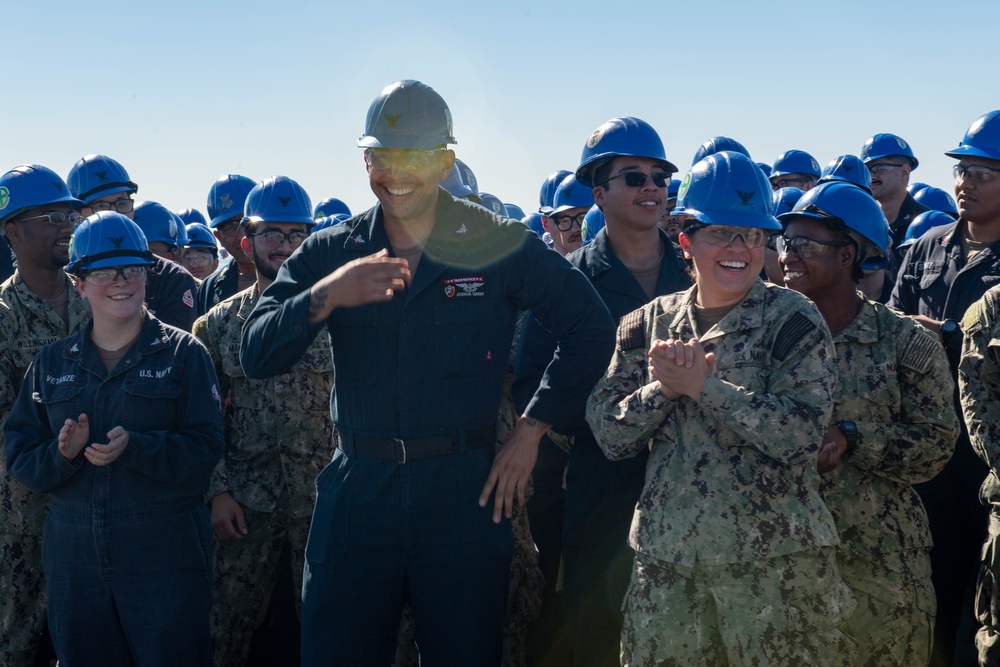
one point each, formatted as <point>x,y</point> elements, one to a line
<point>733,544</point>
<point>893,422</point>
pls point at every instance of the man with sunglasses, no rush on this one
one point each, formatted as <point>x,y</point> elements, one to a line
<point>278,432</point>
<point>37,217</point>
<point>890,160</point>
<point>942,274</point>
<point>893,423</point>
<point>629,262</point>
<point>420,296</point>
<point>104,185</point>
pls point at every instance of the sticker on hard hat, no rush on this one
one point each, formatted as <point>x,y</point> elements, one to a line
<point>902,144</point>
<point>682,192</point>
<point>815,165</point>
<point>596,137</point>
<point>4,197</point>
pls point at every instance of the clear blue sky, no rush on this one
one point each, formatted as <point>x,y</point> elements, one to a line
<point>182,92</point>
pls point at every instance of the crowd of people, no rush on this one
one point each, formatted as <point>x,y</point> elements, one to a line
<point>733,414</point>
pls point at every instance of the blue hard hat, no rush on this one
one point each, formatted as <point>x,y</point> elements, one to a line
<point>330,221</point>
<point>330,206</point>
<point>593,222</point>
<point>618,137</point>
<point>727,188</point>
<point>922,223</point>
<point>29,186</point>
<point>534,222</point>
<point>916,186</point>
<point>408,114</point>
<point>514,211</point>
<point>571,194</point>
<point>860,213</point>
<point>784,200</point>
<point>468,177</point>
<point>492,203</point>
<point>95,176</point>
<point>850,169</point>
<point>278,199</point>
<point>937,199</point>
<point>982,139</point>
<point>548,191</point>
<point>717,144</point>
<point>159,224</point>
<point>107,239</point>
<point>454,185</point>
<point>795,162</point>
<point>766,168</point>
<point>226,198</point>
<point>887,145</point>
<point>190,215</point>
<point>673,187</point>
<point>200,236</point>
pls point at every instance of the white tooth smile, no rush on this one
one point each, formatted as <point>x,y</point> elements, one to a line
<point>734,265</point>
<point>400,192</point>
<point>793,274</point>
<point>120,297</point>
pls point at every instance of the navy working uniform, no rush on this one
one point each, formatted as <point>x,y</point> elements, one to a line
<point>935,280</point>
<point>170,294</point>
<point>600,494</point>
<point>127,546</point>
<point>909,209</point>
<point>421,376</point>
<point>218,286</point>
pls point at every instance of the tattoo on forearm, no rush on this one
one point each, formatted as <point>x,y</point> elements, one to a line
<point>317,301</point>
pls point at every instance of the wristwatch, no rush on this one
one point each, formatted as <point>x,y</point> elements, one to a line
<point>850,431</point>
<point>948,329</point>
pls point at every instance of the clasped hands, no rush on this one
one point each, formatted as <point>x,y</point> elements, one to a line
<point>680,367</point>
<point>73,437</point>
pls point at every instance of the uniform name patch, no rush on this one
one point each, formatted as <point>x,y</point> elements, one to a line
<point>465,287</point>
<point>59,380</point>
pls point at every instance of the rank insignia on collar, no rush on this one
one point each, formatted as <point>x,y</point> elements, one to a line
<point>355,241</point>
<point>462,230</point>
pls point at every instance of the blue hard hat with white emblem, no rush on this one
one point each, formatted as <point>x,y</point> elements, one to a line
<point>107,239</point>
<point>727,188</point>
<point>492,203</point>
<point>514,211</point>
<point>29,186</point>
<point>455,186</point>
<point>795,162</point>
<point>571,194</point>
<point>936,199</point>
<point>620,137</point>
<point>158,224</point>
<point>887,145</point>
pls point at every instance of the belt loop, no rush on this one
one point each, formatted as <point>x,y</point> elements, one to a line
<point>401,449</point>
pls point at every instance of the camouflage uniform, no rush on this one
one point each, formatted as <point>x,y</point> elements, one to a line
<point>979,389</point>
<point>731,535</point>
<point>26,326</point>
<point>278,438</point>
<point>894,383</point>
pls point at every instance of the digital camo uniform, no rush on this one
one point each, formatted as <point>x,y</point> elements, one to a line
<point>894,383</point>
<point>27,325</point>
<point>278,438</point>
<point>979,388</point>
<point>731,534</point>
<point>525,600</point>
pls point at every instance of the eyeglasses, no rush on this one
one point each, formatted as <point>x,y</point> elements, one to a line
<point>228,227</point>
<point>57,218</point>
<point>274,238</point>
<point>120,205</point>
<point>198,258</point>
<point>788,182</point>
<point>564,223</point>
<point>721,235</point>
<point>637,179</point>
<point>974,172</point>
<point>105,277</point>
<point>884,168</point>
<point>382,159</point>
<point>805,247</point>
